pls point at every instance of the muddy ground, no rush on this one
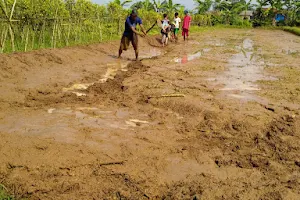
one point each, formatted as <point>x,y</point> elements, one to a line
<point>216,117</point>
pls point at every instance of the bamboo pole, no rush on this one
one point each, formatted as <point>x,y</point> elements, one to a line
<point>43,33</point>
<point>99,26</point>
<point>12,35</point>
<point>9,18</point>
<point>32,40</point>
<point>80,31</point>
<point>68,36</point>
<point>40,42</point>
<point>26,40</point>
<point>76,32</point>
<point>3,41</point>
<point>1,38</point>
<point>119,25</point>
<point>54,30</point>
<point>58,30</point>
<point>11,28</point>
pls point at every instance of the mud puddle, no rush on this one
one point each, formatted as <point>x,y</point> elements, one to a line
<point>190,57</point>
<point>152,53</point>
<point>245,69</point>
<point>67,125</point>
<point>103,118</point>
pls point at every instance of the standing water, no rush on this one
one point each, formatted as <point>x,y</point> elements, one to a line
<point>245,69</point>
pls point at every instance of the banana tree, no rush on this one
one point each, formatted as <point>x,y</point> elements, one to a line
<point>122,3</point>
<point>222,5</point>
<point>146,5</point>
<point>159,5</point>
<point>293,12</point>
<point>203,5</point>
<point>170,7</point>
<point>242,6</point>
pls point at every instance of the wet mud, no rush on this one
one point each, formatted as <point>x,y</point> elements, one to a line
<point>217,119</point>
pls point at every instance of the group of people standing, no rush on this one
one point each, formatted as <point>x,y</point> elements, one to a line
<point>169,30</point>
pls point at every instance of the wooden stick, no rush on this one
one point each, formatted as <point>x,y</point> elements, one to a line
<point>92,164</point>
<point>167,95</point>
<point>151,27</point>
<point>112,163</point>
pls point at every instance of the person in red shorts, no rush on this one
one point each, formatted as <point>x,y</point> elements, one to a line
<point>186,25</point>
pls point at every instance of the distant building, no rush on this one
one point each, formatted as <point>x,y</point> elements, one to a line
<point>247,14</point>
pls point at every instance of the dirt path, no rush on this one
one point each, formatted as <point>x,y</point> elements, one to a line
<point>214,118</point>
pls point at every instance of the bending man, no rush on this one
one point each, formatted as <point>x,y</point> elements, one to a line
<point>131,34</point>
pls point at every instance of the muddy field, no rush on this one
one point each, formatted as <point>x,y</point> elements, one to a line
<point>216,117</point>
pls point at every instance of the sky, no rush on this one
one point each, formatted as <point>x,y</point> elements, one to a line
<point>187,3</point>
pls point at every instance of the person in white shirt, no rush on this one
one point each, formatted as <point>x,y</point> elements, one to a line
<point>165,30</point>
<point>177,22</point>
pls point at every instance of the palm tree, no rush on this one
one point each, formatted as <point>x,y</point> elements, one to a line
<point>170,7</point>
<point>203,5</point>
<point>120,3</point>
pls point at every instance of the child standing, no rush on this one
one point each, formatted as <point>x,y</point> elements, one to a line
<point>186,25</point>
<point>165,30</point>
<point>177,22</point>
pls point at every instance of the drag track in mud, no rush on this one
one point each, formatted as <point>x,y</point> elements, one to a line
<point>216,117</point>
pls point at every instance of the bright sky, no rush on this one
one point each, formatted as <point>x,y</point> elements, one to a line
<point>188,3</point>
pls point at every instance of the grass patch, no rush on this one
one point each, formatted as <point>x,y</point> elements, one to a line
<point>3,193</point>
<point>294,30</point>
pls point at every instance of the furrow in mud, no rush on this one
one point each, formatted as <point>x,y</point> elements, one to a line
<point>112,91</point>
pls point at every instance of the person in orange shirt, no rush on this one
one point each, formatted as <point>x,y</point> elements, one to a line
<point>186,25</point>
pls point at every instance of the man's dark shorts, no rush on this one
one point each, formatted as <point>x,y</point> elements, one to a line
<point>126,40</point>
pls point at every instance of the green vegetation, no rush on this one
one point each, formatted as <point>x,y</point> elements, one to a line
<point>294,30</point>
<point>3,194</point>
<point>32,24</point>
<point>266,11</point>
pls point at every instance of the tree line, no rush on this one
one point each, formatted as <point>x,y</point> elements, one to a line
<point>34,24</point>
